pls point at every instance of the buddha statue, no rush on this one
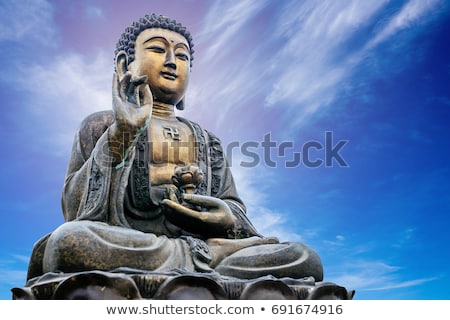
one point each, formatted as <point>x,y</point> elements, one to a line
<point>150,191</point>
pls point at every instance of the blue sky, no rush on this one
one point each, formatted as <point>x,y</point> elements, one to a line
<point>376,74</point>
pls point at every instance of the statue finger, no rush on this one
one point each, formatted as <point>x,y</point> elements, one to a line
<point>144,96</point>
<point>182,209</point>
<point>115,85</point>
<point>203,201</point>
<point>124,85</point>
<point>133,83</point>
<point>147,97</point>
<point>117,96</point>
<point>138,80</point>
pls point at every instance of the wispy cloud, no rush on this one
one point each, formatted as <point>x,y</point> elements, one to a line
<point>226,71</point>
<point>405,237</point>
<point>410,14</point>
<point>338,241</point>
<point>255,194</point>
<point>302,58</point>
<point>13,277</point>
<point>27,20</point>
<point>315,34</point>
<point>319,61</point>
<point>224,21</point>
<point>21,258</point>
<point>13,270</point>
<point>362,265</point>
<point>404,284</point>
<point>69,88</point>
<point>366,275</point>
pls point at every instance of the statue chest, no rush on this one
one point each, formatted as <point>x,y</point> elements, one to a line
<point>171,143</point>
<point>165,145</point>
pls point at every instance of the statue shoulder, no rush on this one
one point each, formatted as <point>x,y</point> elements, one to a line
<point>94,125</point>
<point>100,120</point>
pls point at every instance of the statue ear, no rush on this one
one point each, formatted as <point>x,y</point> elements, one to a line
<point>180,105</point>
<point>121,63</point>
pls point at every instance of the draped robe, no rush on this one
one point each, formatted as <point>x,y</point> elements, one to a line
<point>114,217</point>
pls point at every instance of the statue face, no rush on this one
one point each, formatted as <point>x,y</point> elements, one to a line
<point>163,56</point>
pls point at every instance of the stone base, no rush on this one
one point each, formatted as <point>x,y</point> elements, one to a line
<point>177,285</point>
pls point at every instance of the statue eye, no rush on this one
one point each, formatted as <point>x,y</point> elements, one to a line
<point>182,56</point>
<point>156,49</point>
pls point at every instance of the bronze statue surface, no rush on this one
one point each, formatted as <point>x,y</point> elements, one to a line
<point>150,199</point>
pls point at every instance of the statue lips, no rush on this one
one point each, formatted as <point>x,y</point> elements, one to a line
<point>168,75</point>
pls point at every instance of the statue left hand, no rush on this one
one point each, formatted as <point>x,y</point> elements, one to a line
<point>213,222</point>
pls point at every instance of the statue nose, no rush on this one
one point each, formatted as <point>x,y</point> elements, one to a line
<point>170,60</point>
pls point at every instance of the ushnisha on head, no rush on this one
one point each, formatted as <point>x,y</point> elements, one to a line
<point>141,48</point>
<point>128,38</point>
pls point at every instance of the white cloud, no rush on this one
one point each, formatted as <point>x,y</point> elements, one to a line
<point>339,241</point>
<point>27,20</point>
<point>228,75</point>
<point>412,12</point>
<point>403,284</point>
<point>13,277</point>
<point>13,271</point>
<point>405,237</point>
<point>253,186</point>
<point>300,60</point>
<point>372,276</point>
<point>225,21</point>
<point>315,65</point>
<point>65,91</point>
<point>21,258</point>
<point>312,78</point>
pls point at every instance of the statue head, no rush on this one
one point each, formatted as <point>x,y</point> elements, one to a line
<point>161,49</point>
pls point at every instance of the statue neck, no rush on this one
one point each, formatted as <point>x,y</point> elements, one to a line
<point>163,110</point>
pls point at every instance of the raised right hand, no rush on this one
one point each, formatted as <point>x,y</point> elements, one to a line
<point>132,102</point>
